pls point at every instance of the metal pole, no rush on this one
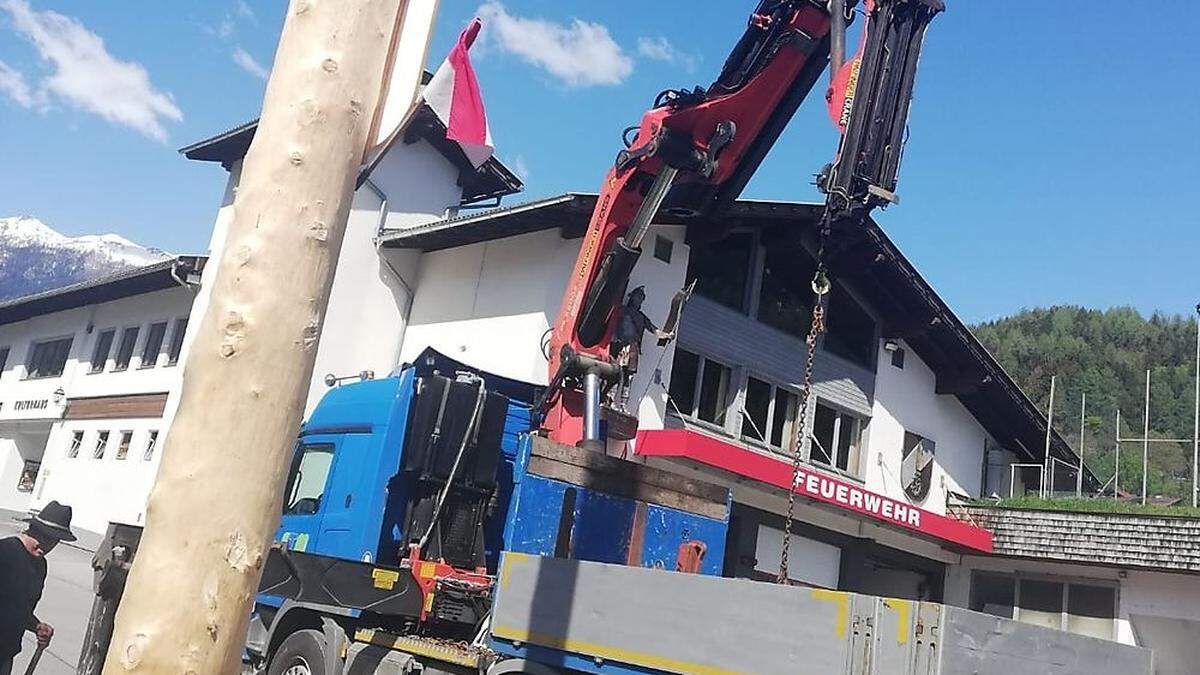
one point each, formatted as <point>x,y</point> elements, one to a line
<point>1146,439</point>
<point>646,212</point>
<point>591,408</point>
<point>837,37</point>
<point>1117,475</point>
<point>1196,427</point>
<point>1049,425</point>
<point>1082,419</point>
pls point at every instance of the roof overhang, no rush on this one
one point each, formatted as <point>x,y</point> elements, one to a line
<point>124,284</point>
<point>492,180</point>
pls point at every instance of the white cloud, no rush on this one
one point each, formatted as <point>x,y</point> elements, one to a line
<point>580,53</point>
<point>87,76</point>
<point>660,49</point>
<point>243,10</point>
<point>249,63</point>
<point>520,168</point>
<point>13,83</point>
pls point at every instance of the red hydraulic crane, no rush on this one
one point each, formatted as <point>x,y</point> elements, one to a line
<point>694,151</point>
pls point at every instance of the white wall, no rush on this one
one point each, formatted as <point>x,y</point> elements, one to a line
<point>100,490</point>
<point>1155,594</point>
<point>366,319</point>
<point>905,400</point>
<point>489,304</point>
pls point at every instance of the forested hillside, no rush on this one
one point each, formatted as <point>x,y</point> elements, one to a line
<point>1106,353</point>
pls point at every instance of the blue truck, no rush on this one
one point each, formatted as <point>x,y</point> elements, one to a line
<point>428,528</point>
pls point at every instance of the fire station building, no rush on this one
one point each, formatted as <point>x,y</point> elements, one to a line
<point>911,417</point>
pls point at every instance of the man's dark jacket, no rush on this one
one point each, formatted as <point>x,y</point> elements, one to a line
<point>21,579</point>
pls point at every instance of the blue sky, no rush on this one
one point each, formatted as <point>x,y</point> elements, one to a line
<point>1053,155</point>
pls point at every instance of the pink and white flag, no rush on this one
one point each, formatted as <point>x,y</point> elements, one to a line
<point>454,96</point>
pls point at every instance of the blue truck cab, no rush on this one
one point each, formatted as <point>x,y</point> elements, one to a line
<point>443,458</point>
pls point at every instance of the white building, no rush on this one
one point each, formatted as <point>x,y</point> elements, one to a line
<point>85,372</point>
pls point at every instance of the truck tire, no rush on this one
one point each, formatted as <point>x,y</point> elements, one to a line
<point>302,653</point>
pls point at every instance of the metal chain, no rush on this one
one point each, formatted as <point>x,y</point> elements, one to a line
<point>820,286</point>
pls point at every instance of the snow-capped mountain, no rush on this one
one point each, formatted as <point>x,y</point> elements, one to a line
<point>35,258</point>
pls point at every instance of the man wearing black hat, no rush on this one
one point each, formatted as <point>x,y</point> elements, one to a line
<point>22,575</point>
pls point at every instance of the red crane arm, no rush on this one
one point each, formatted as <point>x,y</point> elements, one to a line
<point>694,151</point>
<point>697,143</point>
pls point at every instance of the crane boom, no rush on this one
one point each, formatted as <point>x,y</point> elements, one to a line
<point>694,151</point>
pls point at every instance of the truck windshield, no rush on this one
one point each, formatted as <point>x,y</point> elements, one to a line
<point>306,483</point>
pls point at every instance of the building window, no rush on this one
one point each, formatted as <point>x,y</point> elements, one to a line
<point>154,343</point>
<point>769,414</point>
<point>836,438</point>
<point>151,442</point>
<point>850,331</point>
<point>103,347</point>
<point>125,351</point>
<point>306,483</point>
<point>898,358</point>
<point>700,387</point>
<point>663,247</point>
<point>722,269</point>
<point>785,296</point>
<point>123,446</point>
<point>48,359</point>
<point>1081,608</point>
<point>28,478</point>
<point>177,341</point>
<point>76,443</point>
<point>3,359</point>
<point>101,443</point>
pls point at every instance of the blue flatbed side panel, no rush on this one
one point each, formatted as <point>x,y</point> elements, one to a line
<point>600,527</point>
<point>667,528</point>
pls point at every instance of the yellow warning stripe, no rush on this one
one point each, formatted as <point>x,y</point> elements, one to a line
<point>842,600</point>
<point>903,612</point>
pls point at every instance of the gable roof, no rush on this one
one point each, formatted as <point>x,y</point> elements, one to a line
<point>910,308</point>
<point>490,181</point>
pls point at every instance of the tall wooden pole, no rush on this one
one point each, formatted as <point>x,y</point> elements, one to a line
<point>217,498</point>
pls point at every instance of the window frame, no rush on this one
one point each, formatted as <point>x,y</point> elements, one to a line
<point>101,445</point>
<point>151,445</point>
<point>853,459</point>
<point>72,447</point>
<point>92,368</point>
<point>175,345</point>
<point>123,442</point>
<point>137,335</point>
<point>5,352</point>
<point>291,485</point>
<point>774,388</point>
<point>145,363</point>
<point>1067,582</point>
<point>693,415</point>
<point>33,353</point>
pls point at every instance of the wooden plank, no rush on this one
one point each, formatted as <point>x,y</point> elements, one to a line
<point>623,486</point>
<point>633,471</point>
<point>114,407</point>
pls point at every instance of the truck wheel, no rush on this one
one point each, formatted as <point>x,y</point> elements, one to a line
<point>302,653</point>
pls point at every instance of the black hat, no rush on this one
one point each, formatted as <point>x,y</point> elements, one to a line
<point>53,520</point>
